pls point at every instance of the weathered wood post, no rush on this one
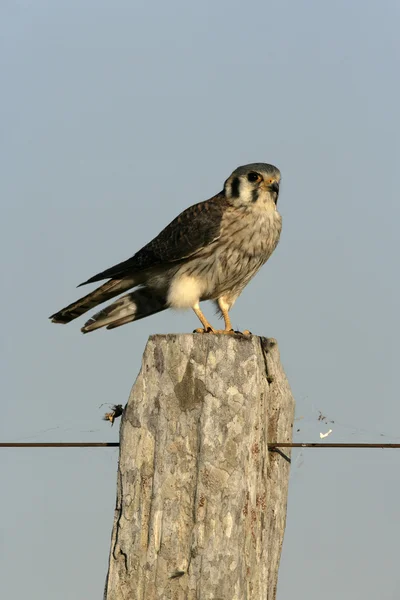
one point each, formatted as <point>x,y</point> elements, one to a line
<point>201,502</point>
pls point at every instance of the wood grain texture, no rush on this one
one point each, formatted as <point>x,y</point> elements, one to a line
<point>201,503</point>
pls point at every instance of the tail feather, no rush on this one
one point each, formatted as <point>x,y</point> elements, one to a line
<point>98,296</point>
<point>141,303</point>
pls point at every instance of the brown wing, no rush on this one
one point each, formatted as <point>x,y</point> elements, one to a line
<point>196,227</point>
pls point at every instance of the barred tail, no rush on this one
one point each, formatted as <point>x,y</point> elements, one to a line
<point>141,303</point>
<point>101,294</point>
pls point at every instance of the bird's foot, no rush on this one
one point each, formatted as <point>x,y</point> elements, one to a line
<point>216,331</point>
<point>246,332</point>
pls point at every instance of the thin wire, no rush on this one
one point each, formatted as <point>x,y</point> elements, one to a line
<point>329,445</point>
<point>271,445</point>
<point>58,444</point>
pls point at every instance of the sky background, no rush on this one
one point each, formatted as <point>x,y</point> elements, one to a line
<point>115,116</point>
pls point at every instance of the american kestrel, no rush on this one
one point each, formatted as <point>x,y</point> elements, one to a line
<point>209,252</point>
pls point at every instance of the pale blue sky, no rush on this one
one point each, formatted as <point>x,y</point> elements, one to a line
<point>114,117</point>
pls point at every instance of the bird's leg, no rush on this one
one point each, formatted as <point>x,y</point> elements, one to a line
<point>203,320</point>
<point>224,308</point>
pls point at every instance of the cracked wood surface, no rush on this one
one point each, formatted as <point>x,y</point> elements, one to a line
<point>201,503</point>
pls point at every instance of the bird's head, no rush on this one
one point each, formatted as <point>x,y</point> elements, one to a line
<point>255,184</point>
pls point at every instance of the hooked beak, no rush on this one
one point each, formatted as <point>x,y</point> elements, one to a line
<point>274,187</point>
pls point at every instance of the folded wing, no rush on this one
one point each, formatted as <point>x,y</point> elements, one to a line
<point>195,228</point>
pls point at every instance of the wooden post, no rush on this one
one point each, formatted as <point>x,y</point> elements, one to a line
<point>201,502</point>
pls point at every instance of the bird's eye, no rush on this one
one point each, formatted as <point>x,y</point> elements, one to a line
<point>253,177</point>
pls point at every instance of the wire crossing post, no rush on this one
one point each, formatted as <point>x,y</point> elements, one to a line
<point>201,502</point>
<point>273,446</point>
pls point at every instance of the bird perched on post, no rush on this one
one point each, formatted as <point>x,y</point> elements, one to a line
<point>209,252</point>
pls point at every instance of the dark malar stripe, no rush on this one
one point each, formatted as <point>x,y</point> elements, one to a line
<point>254,195</point>
<point>235,187</point>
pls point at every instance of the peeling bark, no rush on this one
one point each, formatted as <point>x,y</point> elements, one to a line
<point>201,503</point>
